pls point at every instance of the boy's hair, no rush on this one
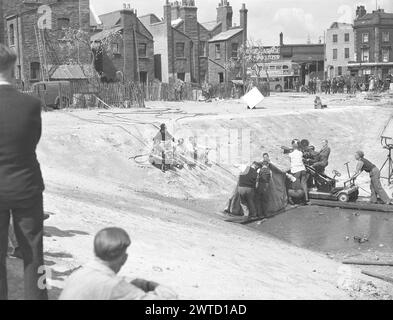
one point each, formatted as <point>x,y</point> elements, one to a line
<point>111,243</point>
<point>360,154</point>
<point>7,58</point>
<point>265,154</point>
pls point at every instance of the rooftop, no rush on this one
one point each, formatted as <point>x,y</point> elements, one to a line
<point>341,25</point>
<point>210,25</point>
<point>70,72</point>
<point>226,35</point>
<point>104,34</point>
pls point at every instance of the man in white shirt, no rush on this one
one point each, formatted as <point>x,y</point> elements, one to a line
<point>298,169</point>
<point>98,280</point>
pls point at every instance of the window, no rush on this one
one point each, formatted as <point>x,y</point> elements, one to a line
<point>143,77</point>
<point>346,37</point>
<point>335,38</point>
<point>285,67</point>
<point>365,37</point>
<point>346,53</point>
<point>221,77</point>
<point>365,54</point>
<point>35,70</point>
<point>334,54</point>
<point>180,49</point>
<point>115,48</point>
<point>340,71</point>
<point>202,48</point>
<point>385,36</point>
<point>181,76</point>
<point>385,55</point>
<point>218,52</point>
<point>63,23</point>
<point>142,50</point>
<point>12,34</point>
<point>235,48</point>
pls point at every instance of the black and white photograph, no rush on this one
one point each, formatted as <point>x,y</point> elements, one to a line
<point>221,152</point>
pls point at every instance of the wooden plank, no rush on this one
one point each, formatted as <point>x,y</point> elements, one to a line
<point>369,263</point>
<point>353,205</point>
<point>378,276</point>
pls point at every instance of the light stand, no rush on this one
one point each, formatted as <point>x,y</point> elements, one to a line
<point>389,161</point>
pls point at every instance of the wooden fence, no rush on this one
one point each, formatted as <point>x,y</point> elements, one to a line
<point>96,94</point>
<point>157,91</point>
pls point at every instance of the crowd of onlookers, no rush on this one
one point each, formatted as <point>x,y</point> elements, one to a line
<point>346,84</point>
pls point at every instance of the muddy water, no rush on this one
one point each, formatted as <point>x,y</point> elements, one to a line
<point>331,230</point>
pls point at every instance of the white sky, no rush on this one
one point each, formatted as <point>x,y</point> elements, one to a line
<point>297,19</point>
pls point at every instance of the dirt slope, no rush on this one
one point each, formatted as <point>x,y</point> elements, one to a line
<point>177,237</point>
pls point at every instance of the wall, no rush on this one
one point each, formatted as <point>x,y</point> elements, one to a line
<point>216,66</point>
<point>77,11</point>
<point>161,47</point>
<point>341,61</point>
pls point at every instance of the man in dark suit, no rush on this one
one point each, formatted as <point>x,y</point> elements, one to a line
<point>21,183</point>
<point>322,159</point>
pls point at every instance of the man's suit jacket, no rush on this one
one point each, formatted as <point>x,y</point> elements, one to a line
<point>324,155</point>
<point>20,131</point>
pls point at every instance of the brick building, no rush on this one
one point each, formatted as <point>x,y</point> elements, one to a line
<point>310,57</point>
<point>181,42</point>
<point>20,20</point>
<point>132,52</point>
<point>373,43</point>
<point>340,49</point>
<point>224,46</point>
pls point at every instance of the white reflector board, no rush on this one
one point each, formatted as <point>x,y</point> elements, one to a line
<point>253,97</point>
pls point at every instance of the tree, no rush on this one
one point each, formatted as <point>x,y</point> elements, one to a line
<point>251,57</point>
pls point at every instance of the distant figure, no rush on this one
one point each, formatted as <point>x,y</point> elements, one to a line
<point>318,103</point>
<point>328,86</point>
<point>162,137</point>
<point>21,183</point>
<point>375,178</point>
<point>98,280</point>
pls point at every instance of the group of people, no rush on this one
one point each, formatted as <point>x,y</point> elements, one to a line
<point>21,200</point>
<point>346,84</point>
<point>253,183</point>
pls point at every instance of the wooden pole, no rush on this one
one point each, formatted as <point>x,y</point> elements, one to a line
<point>378,276</point>
<point>369,263</point>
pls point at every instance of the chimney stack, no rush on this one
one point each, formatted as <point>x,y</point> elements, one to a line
<point>128,22</point>
<point>244,21</point>
<point>360,12</point>
<point>281,39</point>
<point>225,15</point>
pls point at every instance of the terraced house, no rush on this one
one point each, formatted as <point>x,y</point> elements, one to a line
<point>373,43</point>
<point>182,44</point>
<point>131,52</point>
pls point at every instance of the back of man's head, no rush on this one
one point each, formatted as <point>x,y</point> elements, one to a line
<point>7,58</point>
<point>111,244</point>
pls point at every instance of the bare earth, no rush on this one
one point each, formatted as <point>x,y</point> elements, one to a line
<point>179,240</point>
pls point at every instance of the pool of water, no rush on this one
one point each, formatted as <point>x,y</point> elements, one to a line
<point>331,230</point>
